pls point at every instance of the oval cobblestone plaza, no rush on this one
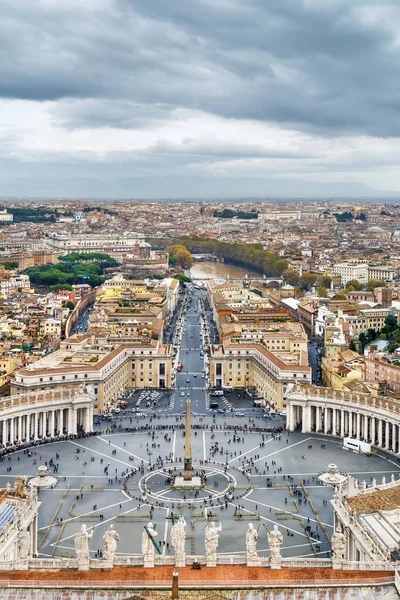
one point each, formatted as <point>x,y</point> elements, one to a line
<point>279,481</point>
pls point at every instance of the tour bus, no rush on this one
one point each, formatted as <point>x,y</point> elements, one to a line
<point>356,446</point>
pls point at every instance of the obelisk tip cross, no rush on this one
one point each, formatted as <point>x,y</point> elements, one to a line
<point>187,474</point>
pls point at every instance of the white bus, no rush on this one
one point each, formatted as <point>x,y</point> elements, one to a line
<point>356,446</point>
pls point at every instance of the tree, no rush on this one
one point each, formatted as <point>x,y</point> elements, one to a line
<point>183,279</point>
<point>363,339</point>
<point>307,280</point>
<point>171,261</point>
<point>322,291</point>
<point>325,280</point>
<point>390,325</point>
<point>291,277</point>
<point>361,217</point>
<point>372,334</point>
<point>392,347</point>
<point>355,284</point>
<point>70,305</point>
<point>339,296</point>
<point>343,217</point>
<point>372,284</point>
<point>298,292</point>
<point>353,346</point>
<point>181,254</point>
<point>184,259</point>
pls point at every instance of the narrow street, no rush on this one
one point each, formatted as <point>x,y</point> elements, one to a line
<point>192,378</point>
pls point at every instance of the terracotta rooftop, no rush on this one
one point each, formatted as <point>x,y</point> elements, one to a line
<point>231,574</point>
<point>379,500</point>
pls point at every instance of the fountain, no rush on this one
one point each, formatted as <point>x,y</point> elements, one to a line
<point>332,476</point>
<point>43,479</point>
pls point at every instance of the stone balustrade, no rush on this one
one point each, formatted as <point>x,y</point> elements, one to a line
<point>137,560</point>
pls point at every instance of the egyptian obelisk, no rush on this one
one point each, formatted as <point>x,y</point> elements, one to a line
<point>187,474</point>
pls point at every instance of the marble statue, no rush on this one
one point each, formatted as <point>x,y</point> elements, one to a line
<point>275,541</point>
<point>211,542</point>
<point>338,543</point>
<point>251,542</point>
<point>24,545</point>
<point>178,538</point>
<point>111,537</point>
<point>19,488</point>
<point>148,549</point>
<point>383,480</point>
<point>82,548</point>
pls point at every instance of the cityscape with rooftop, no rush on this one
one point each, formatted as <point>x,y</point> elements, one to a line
<point>199,300</point>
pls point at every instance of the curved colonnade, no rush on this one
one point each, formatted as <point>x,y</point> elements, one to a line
<point>39,415</point>
<point>373,419</point>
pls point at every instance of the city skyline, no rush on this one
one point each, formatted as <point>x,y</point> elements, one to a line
<point>156,100</point>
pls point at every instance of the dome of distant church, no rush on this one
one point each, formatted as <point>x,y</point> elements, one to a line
<point>375,229</point>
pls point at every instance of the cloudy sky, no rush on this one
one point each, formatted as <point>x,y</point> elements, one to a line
<point>159,98</point>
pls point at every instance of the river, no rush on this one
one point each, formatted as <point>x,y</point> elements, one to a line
<point>218,270</point>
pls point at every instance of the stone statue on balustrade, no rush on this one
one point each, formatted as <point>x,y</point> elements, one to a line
<point>251,546</point>
<point>275,541</point>
<point>338,544</point>
<point>148,545</point>
<point>211,541</point>
<point>20,488</point>
<point>110,538</point>
<point>24,546</point>
<point>178,539</point>
<point>82,548</point>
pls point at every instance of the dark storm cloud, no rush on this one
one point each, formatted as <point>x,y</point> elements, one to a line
<point>324,66</point>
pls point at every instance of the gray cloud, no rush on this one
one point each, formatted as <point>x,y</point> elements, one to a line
<point>313,65</point>
<point>325,70</point>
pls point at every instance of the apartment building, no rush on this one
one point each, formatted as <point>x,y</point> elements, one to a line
<point>339,370</point>
<point>108,368</point>
<point>94,242</point>
<point>383,273</point>
<point>348,271</point>
<point>383,369</point>
<point>252,367</point>
<point>369,318</point>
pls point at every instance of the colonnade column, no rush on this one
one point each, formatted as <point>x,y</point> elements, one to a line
<point>387,436</point>
<point>89,419</point>
<point>317,419</point>
<point>35,426</point>
<point>61,421</point>
<point>326,420</point>
<point>28,427</point>
<point>373,433</point>
<point>12,430</point>
<point>52,421</point>
<point>306,425</point>
<point>334,421</point>
<point>358,418</point>
<point>341,422</point>
<point>5,432</point>
<point>394,437</point>
<point>380,428</point>
<point>72,429</point>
